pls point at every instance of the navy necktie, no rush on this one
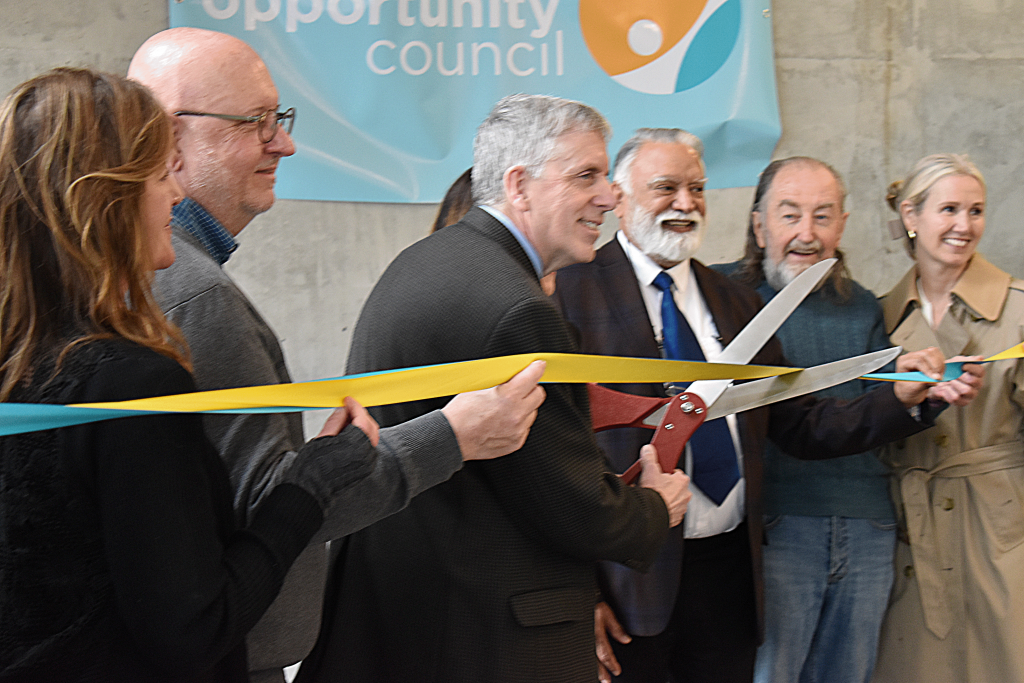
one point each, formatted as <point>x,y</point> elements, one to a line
<point>715,471</point>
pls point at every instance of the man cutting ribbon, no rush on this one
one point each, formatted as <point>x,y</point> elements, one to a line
<point>490,576</point>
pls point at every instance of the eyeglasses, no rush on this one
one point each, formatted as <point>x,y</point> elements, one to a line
<point>267,123</point>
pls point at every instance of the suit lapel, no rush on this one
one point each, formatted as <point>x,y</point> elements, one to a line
<point>722,313</point>
<point>915,333</point>
<point>622,293</point>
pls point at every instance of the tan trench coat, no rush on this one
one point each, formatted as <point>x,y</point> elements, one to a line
<point>956,612</point>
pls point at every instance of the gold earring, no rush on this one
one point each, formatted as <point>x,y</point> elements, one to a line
<point>911,234</point>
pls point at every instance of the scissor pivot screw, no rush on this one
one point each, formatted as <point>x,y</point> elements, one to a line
<point>687,407</point>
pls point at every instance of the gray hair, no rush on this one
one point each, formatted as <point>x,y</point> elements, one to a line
<point>751,268</point>
<point>624,159</point>
<point>522,130</point>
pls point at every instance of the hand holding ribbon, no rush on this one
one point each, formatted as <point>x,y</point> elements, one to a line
<point>963,389</point>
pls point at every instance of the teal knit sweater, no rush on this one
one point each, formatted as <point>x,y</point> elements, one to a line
<point>823,330</point>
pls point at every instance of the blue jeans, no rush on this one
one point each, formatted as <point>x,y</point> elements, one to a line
<point>827,582</point>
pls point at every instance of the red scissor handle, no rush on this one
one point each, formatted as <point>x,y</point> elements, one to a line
<point>686,412</point>
<point>610,409</point>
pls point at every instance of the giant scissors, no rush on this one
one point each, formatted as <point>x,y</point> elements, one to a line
<point>675,419</point>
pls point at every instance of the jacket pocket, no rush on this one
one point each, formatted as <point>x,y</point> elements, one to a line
<point>552,606</point>
<point>998,496</point>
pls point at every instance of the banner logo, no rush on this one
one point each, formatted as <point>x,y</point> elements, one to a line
<point>390,92</point>
<point>660,47</point>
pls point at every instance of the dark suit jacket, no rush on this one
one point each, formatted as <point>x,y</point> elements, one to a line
<point>602,300</point>
<point>489,576</point>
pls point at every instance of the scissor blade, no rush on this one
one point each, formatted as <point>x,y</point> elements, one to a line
<point>654,419</point>
<point>764,391</point>
<point>771,316</point>
<point>761,327</point>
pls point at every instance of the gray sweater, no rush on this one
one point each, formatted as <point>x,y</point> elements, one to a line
<point>233,346</point>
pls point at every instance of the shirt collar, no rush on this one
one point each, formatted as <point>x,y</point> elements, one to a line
<point>198,222</point>
<point>531,252</point>
<point>646,269</point>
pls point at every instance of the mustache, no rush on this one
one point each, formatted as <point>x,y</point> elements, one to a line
<point>799,245</point>
<point>675,215</point>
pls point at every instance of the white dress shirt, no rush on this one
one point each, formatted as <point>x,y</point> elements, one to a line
<point>703,517</point>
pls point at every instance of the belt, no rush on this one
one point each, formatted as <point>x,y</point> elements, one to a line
<point>922,533</point>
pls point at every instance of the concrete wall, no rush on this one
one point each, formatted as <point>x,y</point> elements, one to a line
<point>868,85</point>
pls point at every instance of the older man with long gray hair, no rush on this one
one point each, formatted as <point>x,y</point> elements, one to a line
<point>830,527</point>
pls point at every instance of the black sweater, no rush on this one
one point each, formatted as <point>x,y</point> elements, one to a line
<point>120,558</point>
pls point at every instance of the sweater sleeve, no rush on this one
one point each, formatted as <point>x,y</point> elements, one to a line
<point>816,429</point>
<point>260,449</point>
<point>411,457</point>
<point>188,584</point>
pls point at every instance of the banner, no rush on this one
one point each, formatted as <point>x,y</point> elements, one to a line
<point>389,92</point>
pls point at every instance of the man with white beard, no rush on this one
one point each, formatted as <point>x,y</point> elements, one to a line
<point>696,615</point>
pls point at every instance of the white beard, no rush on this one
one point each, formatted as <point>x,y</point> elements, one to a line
<point>666,246</point>
<point>780,274</point>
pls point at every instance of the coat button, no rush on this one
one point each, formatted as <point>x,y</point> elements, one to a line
<point>947,504</point>
<point>908,571</point>
<point>941,440</point>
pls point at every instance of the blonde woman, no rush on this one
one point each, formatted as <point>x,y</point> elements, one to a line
<point>957,608</point>
<point>120,556</point>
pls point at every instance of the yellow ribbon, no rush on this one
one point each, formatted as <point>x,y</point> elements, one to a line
<point>433,381</point>
<point>410,384</point>
<point>1015,351</point>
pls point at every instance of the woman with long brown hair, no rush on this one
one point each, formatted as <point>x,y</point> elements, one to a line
<point>120,555</point>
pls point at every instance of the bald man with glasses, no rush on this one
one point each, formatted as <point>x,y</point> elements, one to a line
<point>231,134</point>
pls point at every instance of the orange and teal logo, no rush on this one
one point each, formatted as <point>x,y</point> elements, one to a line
<point>660,46</point>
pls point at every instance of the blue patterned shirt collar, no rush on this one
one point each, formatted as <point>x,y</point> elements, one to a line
<point>198,222</point>
<point>520,237</point>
